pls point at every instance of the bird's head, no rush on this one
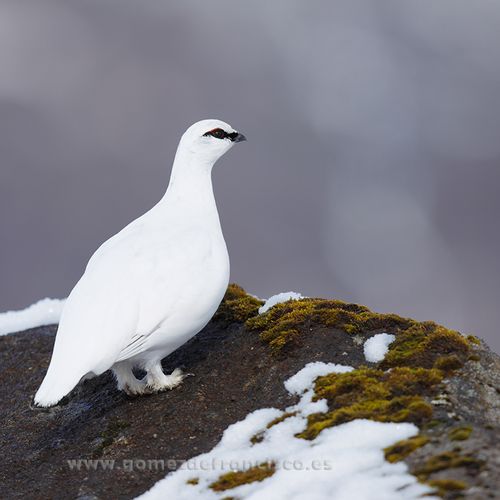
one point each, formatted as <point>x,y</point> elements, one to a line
<point>210,139</point>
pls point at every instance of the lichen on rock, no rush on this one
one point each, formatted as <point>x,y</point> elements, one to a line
<point>446,486</point>
<point>448,460</point>
<point>460,433</point>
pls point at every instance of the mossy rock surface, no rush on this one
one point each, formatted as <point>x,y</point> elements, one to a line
<point>447,384</point>
<point>397,395</point>
<point>233,479</point>
<point>237,306</point>
<point>400,450</point>
<point>286,324</point>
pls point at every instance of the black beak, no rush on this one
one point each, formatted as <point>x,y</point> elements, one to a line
<point>239,138</point>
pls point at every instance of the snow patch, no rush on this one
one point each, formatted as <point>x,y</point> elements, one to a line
<point>44,312</point>
<point>278,299</point>
<point>376,347</point>
<point>345,462</point>
<point>303,379</point>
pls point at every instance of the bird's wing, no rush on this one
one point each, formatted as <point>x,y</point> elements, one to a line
<point>135,346</point>
<point>130,286</point>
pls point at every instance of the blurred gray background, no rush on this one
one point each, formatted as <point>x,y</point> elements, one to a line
<point>372,167</point>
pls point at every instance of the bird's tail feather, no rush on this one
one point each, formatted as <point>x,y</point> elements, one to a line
<point>55,387</point>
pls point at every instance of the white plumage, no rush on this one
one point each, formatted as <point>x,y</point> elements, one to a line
<point>152,286</point>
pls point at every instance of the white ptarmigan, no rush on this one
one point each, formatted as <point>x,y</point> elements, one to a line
<point>151,287</point>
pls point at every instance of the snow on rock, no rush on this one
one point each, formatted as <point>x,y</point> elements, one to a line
<point>277,299</point>
<point>376,347</point>
<point>345,462</point>
<point>43,312</point>
<point>303,379</point>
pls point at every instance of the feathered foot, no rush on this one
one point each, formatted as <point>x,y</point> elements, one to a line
<point>128,382</point>
<point>157,381</point>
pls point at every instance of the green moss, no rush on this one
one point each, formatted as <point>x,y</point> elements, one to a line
<point>193,481</point>
<point>281,418</point>
<point>474,357</point>
<point>424,344</point>
<point>237,478</point>
<point>237,306</point>
<point>403,409</point>
<point>448,363</point>
<point>460,433</point>
<point>284,323</point>
<point>447,460</point>
<point>257,438</point>
<point>444,486</point>
<point>473,339</point>
<point>372,383</point>
<point>427,345</point>
<point>392,396</point>
<point>422,354</point>
<point>433,423</point>
<point>402,449</point>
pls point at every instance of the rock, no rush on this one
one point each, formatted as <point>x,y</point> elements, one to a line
<point>447,384</point>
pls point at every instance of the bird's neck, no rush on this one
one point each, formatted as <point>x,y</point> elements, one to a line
<point>191,181</point>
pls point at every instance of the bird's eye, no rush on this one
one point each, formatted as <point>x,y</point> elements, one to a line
<point>218,133</point>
